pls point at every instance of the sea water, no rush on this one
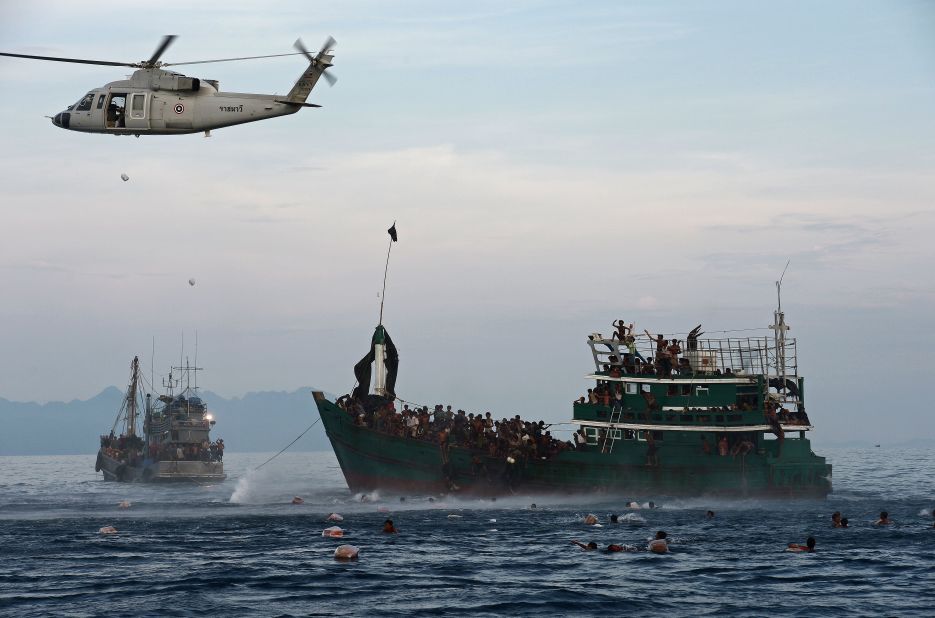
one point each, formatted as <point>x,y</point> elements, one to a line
<point>241,548</point>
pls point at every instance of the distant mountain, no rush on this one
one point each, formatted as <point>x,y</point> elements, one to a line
<point>258,422</point>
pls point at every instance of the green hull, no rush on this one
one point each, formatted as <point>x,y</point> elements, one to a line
<point>373,460</point>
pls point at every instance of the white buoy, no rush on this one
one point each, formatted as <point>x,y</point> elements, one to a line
<point>108,530</point>
<point>335,517</point>
<point>346,552</point>
<point>124,177</point>
<point>333,531</point>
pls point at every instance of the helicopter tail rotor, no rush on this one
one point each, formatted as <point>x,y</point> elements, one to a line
<point>322,60</point>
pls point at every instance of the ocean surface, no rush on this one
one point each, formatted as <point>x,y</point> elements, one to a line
<point>240,547</point>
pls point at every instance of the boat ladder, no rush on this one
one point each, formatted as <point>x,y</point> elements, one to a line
<point>608,443</point>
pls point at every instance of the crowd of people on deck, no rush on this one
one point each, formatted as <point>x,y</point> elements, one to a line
<point>516,438</point>
<point>206,451</point>
<point>130,449</point>
<point>668,359</point>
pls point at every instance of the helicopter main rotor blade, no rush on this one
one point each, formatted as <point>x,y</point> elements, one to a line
<point>175,64</point>
<point>74,60</point>
<point>163,46</point>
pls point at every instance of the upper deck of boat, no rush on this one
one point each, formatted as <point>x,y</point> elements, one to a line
<point>732,360</point>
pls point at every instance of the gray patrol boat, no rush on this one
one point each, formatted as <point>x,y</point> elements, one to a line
<point>174,444</point>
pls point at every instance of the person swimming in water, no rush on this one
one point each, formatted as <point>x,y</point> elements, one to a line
<point>590,519</point>
<point>836,519</point>
<point>659,545</point>
<point>809,546</point>
<point>614,519</point>
<point>884,519</point>
<point>388,527</point>
<point>709,515</point>
<point>844,523</point>
<point>589,547</point>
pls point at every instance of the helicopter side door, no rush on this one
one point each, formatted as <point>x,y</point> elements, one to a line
<point>157,112</point>
<point>115,111</point>
<point>138,111</point>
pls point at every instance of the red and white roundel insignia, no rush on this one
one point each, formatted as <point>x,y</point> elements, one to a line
<point>179,108</point>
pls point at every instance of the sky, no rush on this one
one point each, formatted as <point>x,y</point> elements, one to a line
<point>550,166</point>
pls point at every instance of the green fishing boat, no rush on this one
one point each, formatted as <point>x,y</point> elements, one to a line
<point>663,416</point>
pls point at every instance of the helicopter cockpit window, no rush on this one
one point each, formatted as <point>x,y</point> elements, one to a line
<point>100,102</point>
<point>84,104</point>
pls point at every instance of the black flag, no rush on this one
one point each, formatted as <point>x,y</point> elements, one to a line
<point>392,232</point>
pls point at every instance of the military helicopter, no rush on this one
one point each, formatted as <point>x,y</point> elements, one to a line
<point>159,102</point>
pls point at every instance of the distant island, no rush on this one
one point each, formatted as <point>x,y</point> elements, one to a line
<point>257,422</point>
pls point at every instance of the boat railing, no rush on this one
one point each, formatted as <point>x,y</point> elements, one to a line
<point>742,356</point>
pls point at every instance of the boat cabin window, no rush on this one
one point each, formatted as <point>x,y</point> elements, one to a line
<point>646,388</point>
<point>701,391</point>
<point>100,102</point>
<point>84,104</point>
<point>631,388</point>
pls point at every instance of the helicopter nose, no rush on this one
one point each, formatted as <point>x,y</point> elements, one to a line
<point>57,120</point>
<point>62,120</point>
